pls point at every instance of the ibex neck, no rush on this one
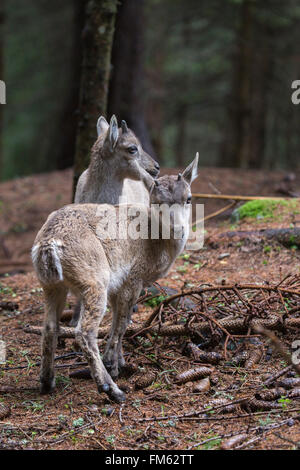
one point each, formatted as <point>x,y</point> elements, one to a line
<point>104,182</point>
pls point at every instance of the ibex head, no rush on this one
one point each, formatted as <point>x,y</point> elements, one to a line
<point>170,201</point>
<point>123,147</point>
<point>172,189</point>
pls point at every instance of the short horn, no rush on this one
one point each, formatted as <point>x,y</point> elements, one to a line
<point>124,127</point>
<point>179,176</point>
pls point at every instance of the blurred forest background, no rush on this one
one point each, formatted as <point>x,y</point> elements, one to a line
<point>187,75</point>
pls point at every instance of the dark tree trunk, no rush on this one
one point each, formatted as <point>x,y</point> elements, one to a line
<point>180,147</point>
<point>126,93</point>
<point>155,106</point>
<point>97,44</point>
<point>245,139</point>
<point>236,146</point>
<point>68,126</point>
<point>1,77</point>
<point>183,103</point>
<point>262,74</point>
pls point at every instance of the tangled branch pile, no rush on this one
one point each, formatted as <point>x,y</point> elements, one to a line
<point>215,311</point>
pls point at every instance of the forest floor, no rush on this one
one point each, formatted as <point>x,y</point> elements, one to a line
<point>160,414</point>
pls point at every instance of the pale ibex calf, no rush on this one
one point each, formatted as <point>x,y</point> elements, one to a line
<point>70,253</point>
<point>111,175</point>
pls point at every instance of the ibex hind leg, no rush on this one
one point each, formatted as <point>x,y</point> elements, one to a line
<point>94,307</point>
<point>55,299</point>
<point>122,309</point>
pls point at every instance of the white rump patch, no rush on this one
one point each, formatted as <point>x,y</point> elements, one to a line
<point>55,244</point>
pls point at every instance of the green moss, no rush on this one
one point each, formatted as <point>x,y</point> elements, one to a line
<point>155,301</point>
<point>260,208</point>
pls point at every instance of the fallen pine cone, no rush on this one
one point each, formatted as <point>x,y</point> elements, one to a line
<point>240,358</point>
<point>214,379</point>
<point>202,356</point>
<point>222,401</point>
<point>11,306</point>
<point>123,385</point>
<point>270,395</point>
<point>144,381</point>
<point>4,411</point>
<point>193,374</point>
<point>290,382</point>
<point>295,393</point>
<point>233,441</point>
<point>202,386</point>
<point>128,369</point>
<point>261,405</point>
<point>161,397</point>
<point>255,356</point>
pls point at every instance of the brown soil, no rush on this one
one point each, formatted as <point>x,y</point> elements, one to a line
<point>75,416</point>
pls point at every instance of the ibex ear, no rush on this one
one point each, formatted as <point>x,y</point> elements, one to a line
<point>191,172</point>
<point>113,132</point>
<point>124,127</point>
<point>102,125</point>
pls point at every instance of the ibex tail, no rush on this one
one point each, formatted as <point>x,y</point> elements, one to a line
<point>46,260</point>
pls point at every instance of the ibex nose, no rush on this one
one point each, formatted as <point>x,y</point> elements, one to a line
<point>157,166</point>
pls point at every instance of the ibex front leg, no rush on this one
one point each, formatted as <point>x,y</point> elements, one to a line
<point>94,307</point>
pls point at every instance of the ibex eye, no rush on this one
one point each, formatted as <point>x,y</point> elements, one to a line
<point>189,200</point>
<point>132,149</point>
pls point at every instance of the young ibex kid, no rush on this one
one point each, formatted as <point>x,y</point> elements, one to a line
<point>113,175</point>
<point>71,253</point>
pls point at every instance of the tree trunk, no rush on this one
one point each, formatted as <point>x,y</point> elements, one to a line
<point>262,74</point>
<point>97,44</point>
<point>243,114</point>
<point>180,147</point>
<point>68,127</point>
<point>126,92</point>
<point>236,146</point>
<point>1,78</point>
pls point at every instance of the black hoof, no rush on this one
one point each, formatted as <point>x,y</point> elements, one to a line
<point>105,388</point>
<point>115,395</point>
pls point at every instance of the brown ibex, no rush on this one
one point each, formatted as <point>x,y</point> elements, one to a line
<point>71,253</point>
<point>113,175</point>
